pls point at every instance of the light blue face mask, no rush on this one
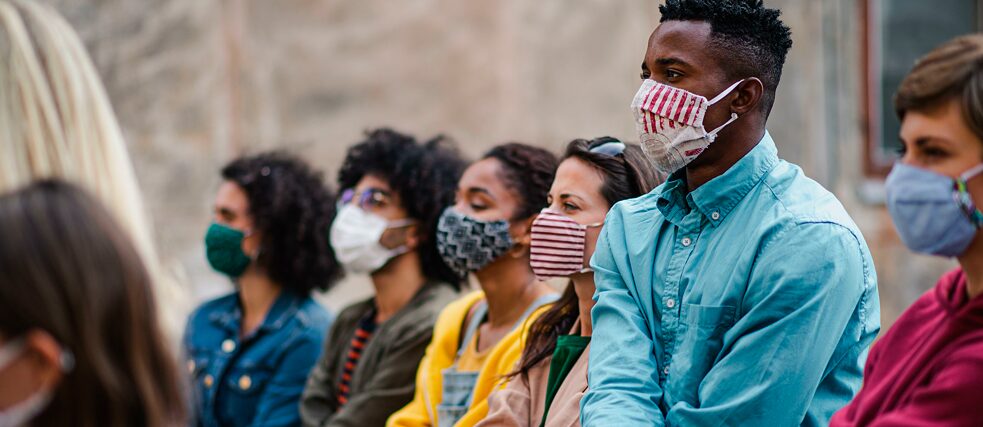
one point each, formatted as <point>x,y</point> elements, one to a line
<point>933,213</point>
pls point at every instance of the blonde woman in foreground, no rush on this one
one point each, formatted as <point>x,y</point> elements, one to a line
<point>56,122</point>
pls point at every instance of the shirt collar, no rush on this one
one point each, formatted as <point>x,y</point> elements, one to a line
<point>718,197</point>
<point>284,308</point>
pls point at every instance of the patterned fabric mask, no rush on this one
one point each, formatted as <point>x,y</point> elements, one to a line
<point>558,245</point>
<point>467,244</point>
<point>669,121</point>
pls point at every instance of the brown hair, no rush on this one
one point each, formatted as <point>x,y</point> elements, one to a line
<point>952,70</point>
<point>68,269</point>
<point>626,175</point>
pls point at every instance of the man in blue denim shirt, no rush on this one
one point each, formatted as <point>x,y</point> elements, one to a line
<point>249,353</point>
<point>739,292</point>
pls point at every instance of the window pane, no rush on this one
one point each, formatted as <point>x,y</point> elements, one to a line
<point>907,30</point>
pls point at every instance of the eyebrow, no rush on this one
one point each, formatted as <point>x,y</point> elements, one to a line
<point>925,140</point>
<point>480,190</point>
<point>671,60</point>
<point>226,212</point>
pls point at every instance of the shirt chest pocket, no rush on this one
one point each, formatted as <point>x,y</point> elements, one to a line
<point>241,391</point>
<point>699,346</point>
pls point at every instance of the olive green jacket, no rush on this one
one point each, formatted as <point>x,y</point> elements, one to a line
<point>384,379</point>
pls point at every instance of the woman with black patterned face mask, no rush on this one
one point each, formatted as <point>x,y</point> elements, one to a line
<point>478,338</point>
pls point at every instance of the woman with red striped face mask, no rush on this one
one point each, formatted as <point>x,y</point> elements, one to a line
<point>545,388</point>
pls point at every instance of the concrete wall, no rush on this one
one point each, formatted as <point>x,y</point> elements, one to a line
<point>196,83</point>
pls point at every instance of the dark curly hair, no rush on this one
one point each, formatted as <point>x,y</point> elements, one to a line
<point>749,38</point>
<point>626,175</point>
<point>293,210</point>
<point>425,177</point>
<point>529,172</point>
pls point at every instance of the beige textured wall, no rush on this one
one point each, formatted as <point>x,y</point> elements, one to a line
<point>197,82</point>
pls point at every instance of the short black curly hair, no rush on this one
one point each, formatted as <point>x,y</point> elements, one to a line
<point>293,210</point>
<point>750,38</point>
<point>424,175</point>
<point>529,171</point>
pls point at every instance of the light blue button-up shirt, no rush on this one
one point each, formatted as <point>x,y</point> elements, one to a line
<point>750,301</point>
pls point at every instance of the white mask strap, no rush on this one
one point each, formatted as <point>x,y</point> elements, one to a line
<point>400,223</point>
<point>712,135</point>
<point>725,92</point>
<point>972,172</point>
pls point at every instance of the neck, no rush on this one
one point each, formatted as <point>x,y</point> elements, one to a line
<point>509,286</point>
<point>257,293</point>
<point>972,265</point>
<point>727,150</point>
<point>396,284</point>
<point>583,285</point>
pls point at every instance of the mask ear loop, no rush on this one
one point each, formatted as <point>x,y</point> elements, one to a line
<point>712,135</point>
<point>971,173</point>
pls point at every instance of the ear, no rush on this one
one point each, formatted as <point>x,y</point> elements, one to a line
<point>521,237</point>
<point>749,94</point>
<point>46,358</point>
<point>413,237</point>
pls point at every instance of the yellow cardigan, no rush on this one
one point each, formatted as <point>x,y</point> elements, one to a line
<point>440,355</point>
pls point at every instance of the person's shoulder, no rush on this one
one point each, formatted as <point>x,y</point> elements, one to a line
<point>801,200</point>
<point>312,317</point>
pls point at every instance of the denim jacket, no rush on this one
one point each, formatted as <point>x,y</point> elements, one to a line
<point>256,380</point>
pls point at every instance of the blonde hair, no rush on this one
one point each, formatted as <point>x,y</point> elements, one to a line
<point>56,122</point>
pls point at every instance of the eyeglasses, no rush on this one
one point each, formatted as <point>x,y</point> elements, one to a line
<point>366,199</point>
<point>607,146</point>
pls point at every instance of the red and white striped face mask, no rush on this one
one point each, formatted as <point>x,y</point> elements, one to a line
<point>669,121</point>
<point>558,245</point>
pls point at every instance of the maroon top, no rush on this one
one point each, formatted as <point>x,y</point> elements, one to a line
<point>928,369</point>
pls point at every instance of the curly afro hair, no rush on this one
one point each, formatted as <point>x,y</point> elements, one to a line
<point>529,171</point>
<point>750,38</point>
<point>293,210</point>
<point>425,177</point>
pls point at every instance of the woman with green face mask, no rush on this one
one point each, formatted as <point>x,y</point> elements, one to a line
<point>249,352</point>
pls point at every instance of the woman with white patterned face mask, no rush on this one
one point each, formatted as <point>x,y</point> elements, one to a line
<point>551,376</point>
<point>478,338</point>
<point>927,369</point>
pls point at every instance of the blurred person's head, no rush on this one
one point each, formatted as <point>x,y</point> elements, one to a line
<point>935,191</point>
<point>723,59</point>
<point>592,177</point>
<point>80,342</point>
<point>393,192</point>
<point>497,199</point>
<point>56,120</point>
<point>272,215</point>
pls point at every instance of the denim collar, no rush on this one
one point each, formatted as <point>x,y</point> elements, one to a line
<point>718,197</point>
<point>284,308</point>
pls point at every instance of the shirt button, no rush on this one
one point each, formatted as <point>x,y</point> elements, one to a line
<point>245,382</point>
<point>686,241</point>
<point>665,370</point>
<point>191,366</point>
<point>208,381</point>
<point>670,303</point>
<point>228,346</point>
<point>715,216</point>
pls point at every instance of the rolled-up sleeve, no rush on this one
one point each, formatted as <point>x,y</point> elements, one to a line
<point>802,293</point>
<point>623,372</point>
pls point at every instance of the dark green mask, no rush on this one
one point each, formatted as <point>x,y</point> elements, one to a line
<point>223,248</point>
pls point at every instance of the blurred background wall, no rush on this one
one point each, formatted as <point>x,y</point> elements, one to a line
<point>196,83</point>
